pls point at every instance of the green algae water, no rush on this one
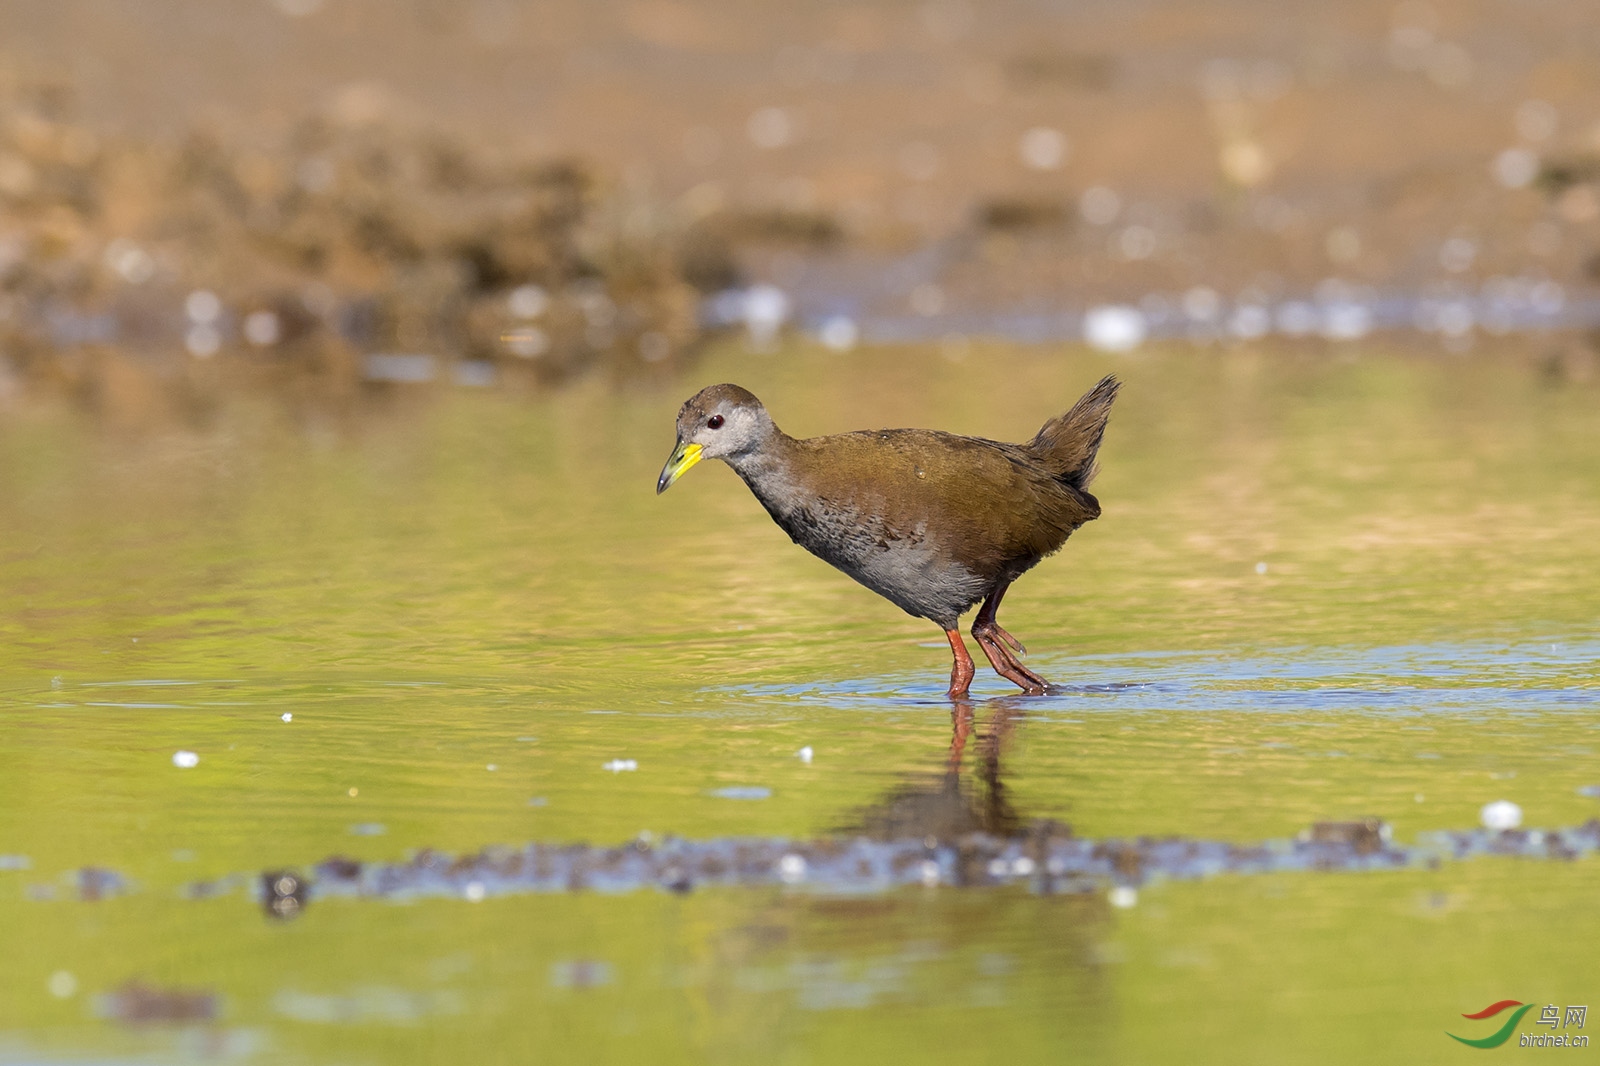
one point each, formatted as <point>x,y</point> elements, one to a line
<point>1320,591</point>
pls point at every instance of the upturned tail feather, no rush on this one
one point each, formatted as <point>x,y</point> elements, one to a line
<point>1067,445</point>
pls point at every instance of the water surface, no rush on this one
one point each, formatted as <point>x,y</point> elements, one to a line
<point>1321,590</point>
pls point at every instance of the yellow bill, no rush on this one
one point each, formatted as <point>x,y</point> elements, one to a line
<point>683,457</point>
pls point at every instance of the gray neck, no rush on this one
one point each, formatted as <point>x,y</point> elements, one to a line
<point>768,471</point>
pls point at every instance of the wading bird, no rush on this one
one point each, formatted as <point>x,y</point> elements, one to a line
<point>931,521</point>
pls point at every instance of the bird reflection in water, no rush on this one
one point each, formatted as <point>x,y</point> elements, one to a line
<point>950,804</point>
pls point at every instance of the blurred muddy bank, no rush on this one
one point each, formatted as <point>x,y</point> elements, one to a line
<point>361,250</point>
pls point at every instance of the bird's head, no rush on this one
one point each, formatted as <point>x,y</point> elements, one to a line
<point>718,422</point>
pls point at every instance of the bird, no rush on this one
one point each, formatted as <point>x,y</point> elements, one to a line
<point>933,522</point>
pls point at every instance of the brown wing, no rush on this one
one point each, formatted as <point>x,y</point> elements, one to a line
<point>985,503</point>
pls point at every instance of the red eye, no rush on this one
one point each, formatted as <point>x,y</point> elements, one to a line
<point>715,421</point>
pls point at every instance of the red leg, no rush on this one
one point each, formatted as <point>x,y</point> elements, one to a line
<point>987,632</point>
<point>960,729</point>
<point>961,670</point>
<point>987,612</point>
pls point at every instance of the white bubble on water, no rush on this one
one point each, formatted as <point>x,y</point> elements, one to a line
<point>618,766</point>
<point>62,984</point>
<point>804,754</point>
<point>792,869</point>
<point>185,760</point>
<point>1501,815</point>
<point>839,333</point>
<point>764,309</point>
<point>1124,896</point>
<point>1249,322</point>
<point>288,716</point>
<point>1114,328</point>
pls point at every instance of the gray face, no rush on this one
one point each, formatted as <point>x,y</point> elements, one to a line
<point>725,421</point>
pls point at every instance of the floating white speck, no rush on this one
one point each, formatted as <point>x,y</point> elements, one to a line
<point>792,869</point>
<point>287,716</point>
<point>202,306</point>
<point>1515,168</point>
<point>527,301</point>
<point>492,767</point>
<point>1501,815</point>
<point>930,872</point>
<point>617,766</point>
<point>1124,896</point>
<point>804,754</point>
<point>474,891</point>
<point>839,333</point>
<point>1043,148</point>
<point>62,984</point>
<point>131,262</point>
<point>1202,303</point>
<point>743,792</point>
<point>1022,866</point>
<point>262,328</point>
<point>1261,568</point>
<point>185,759</point>
<point>1344,321</point>
<point>1115,328</point>
<point>1250,322</point>
<point>764,309</point>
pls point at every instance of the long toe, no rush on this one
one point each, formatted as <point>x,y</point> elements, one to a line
<point>1016,645</point>
<point>1006,665</point>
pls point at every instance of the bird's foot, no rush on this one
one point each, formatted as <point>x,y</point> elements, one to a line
<point>1005,663</point>
<point>1016,645</point>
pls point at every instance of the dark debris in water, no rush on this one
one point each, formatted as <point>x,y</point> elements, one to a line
<point>137,1003</point>
<point>1047,858</point>
<point>93,883</point>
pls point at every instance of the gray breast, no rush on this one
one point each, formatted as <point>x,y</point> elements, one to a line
<point>900,565</point>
